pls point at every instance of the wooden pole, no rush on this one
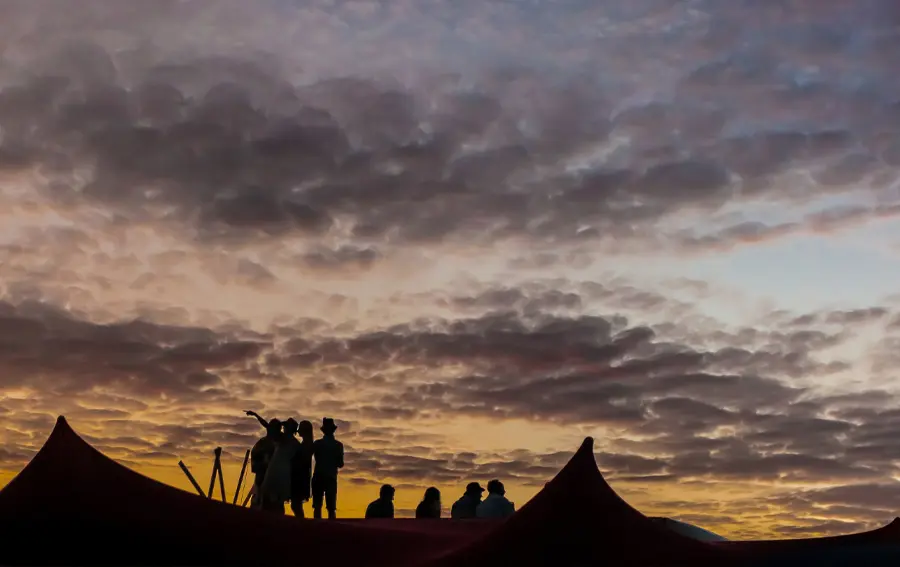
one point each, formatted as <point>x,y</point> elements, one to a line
<point>249,495</point>
<point>190,477</point>
<point>237,491</point>
<point>221,478</point>
<point>215,470</point>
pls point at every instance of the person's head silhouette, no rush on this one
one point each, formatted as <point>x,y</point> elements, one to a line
<point>305,430</point>
<point>386,492</point>
<point>290,426</point>
<point>328,426</point>
<point>432,494</point>
<point>274,428</point>
<point>474,489</point>
<point>496,487</point>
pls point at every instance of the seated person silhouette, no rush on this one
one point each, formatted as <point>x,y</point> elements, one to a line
<point>384,506</point>
<point>430,506</point>
<point>496,504</point>
<point>467,504</point>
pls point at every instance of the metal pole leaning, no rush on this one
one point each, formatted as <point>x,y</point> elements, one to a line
<point>237,491</point>
<point>221,477</point>
<point>191,478</point>
<point>212,477</point>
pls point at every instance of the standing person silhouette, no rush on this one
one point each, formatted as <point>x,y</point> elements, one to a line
<point>276,486</point>
<point>301,469</point>
<point>260,457</point>
<point>329,454</point>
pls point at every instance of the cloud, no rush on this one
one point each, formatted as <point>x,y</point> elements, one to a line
<point>688,412</point>
<point>338,209</point>
<point>57,353</point>
<point>345,257</point>
<point>239,150</point>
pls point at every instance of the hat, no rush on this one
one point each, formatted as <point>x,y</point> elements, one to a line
<point>328,425</point>
<point>273,427</point>
<point>474,487</point>
<point>290,424</point>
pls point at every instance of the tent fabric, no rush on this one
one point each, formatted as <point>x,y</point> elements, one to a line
<point>88,510</point>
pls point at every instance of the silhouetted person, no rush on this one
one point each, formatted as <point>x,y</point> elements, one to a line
<point>465,507</point>
<point>301,469</point>
<point>430,506</point>
<point>260,419</point>
<point>384,506</point>
<point>261,455</point>
<point>495,505</point>
<point>276,487</point>
<point>329,454</point>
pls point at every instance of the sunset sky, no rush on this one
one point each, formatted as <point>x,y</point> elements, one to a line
<point>473,232</point>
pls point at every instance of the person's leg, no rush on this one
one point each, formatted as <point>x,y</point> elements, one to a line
<point>331,498</point>
<point>256,500</point>
<point>273,505</point>
<point>316,498</point>
<point>297,507</point>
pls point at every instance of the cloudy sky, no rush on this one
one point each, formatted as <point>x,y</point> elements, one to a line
<point>473,232</point>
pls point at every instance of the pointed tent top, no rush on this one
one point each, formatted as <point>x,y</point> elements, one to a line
<point>61,430</point>
<point>578,516</point>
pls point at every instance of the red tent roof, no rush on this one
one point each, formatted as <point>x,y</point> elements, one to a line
<point>576,519</point>
<point>71,505</point>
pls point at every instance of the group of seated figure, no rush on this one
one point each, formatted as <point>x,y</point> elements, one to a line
<point>282,464</point>
<point>469,505</point>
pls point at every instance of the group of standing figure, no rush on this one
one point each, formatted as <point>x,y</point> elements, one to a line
<point>283,471</point>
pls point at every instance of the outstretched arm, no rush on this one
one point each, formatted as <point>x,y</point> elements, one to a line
<point>259,418</point>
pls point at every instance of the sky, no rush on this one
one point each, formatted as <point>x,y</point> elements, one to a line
<point>473,233</point>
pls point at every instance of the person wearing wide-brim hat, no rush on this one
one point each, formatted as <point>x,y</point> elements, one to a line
<point>329,454</point>
<point>328,426</point>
